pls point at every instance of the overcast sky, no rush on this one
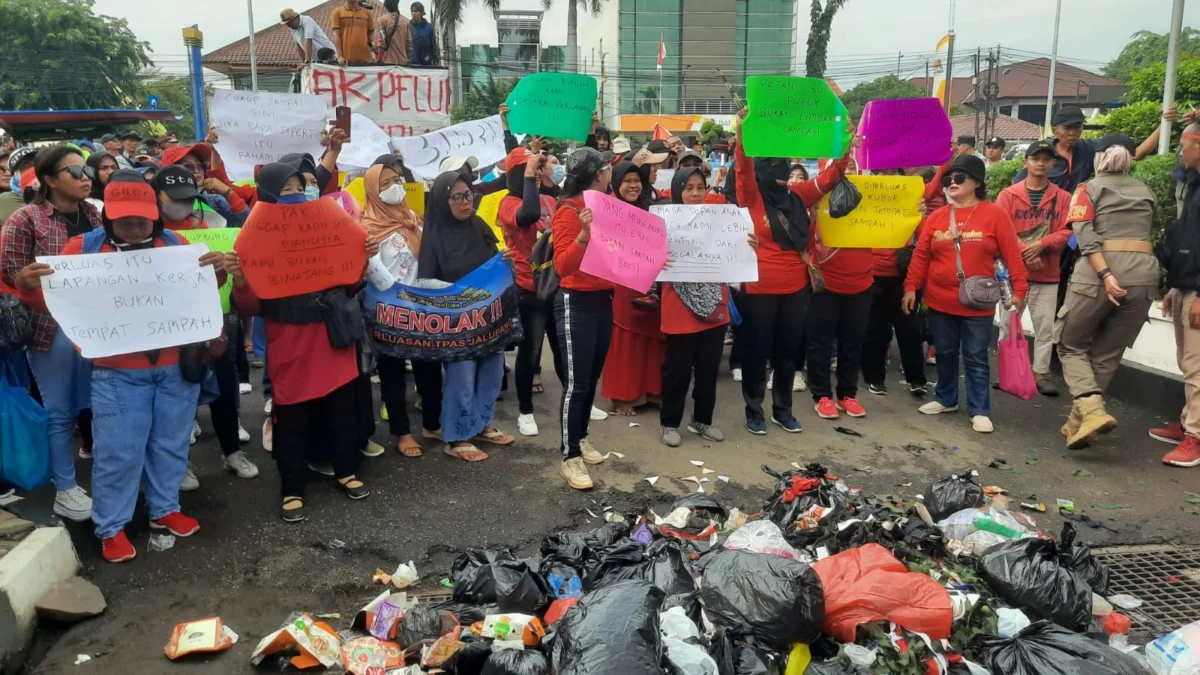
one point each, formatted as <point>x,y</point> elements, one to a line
<point>865,32</point>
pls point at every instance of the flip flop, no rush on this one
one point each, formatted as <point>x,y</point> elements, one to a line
<point>435,435</point>
<point>495,437</point>
<point>411,450</point>
<point>539,389</point>
<point>458,453</point>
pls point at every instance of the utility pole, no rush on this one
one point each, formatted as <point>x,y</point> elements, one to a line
<point>603,79</point>
<point>898,57</point>
<point>253,52</point>
<point>950,61</point>
<point>1164,131</point>
<point>928,82</point>
<point>1054,64</point>
<point>975,91</point>
<point>193,39</point>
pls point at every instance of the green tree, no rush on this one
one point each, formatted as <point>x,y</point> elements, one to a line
<point>1146,49</point>
<point>1138,120</point>
<point>60,54</point>
<point>1147,84</point>
<point>888,86</point>
<point>482,100</point>
<point>174,94</point>
<point>1000,175</point>
<point>711,131</point>
<point>1155,172</point>
<point>818,35</point>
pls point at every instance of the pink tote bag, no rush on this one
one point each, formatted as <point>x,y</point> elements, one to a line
<point>1016,374</point>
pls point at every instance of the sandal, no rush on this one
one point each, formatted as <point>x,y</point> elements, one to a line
<point>494,436</point>
<point>354,488</point>
<point>467,453</point>
<point>411,449</point>
<point>538,388</point>
<point>292,510</point>
<point>432,434</point>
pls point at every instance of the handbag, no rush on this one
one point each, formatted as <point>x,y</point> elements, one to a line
<point>1016,374</point>
<point>16,328</point>
<point>24,435</point>
<point>815,279</point>
<point>541,259</point>
<point>978,292</point>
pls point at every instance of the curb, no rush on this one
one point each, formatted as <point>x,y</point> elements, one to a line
<point>45,558</point>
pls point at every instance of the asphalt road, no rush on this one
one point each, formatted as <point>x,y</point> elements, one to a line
<point>251,569</point>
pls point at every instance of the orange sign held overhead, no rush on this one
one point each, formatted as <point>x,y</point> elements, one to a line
<point>292,249</point>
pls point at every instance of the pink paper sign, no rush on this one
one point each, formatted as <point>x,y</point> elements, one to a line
<point>903,133</point>
<point>628,245</point>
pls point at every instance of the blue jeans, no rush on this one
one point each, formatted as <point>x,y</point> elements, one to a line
<point>258,337</point>
<point>64,380</point>
<point>969,335</point>
<point>142,420</point>
<point>469,396</point>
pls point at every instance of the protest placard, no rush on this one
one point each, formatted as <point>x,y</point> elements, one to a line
<point>708,243</point>
<point>662,179</point>
<point>886,218</point>
<point>292,249</point>
<point>367,142</point>
<point>489,212</point>
<point>794,117</point>
<point>628,245</point>
<point>121,303</point>
<point>482,139</point>
<point>902,133</point>
<point>216,240</point>
<point>402,101</point>
<point>469,319</point>
<point>258,127</point>
<point>554,105</point>
<point>414,196</point>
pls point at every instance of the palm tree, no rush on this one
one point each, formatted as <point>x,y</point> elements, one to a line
<point>818,35</point>
<point>594,7</point>
<point>449,15</point>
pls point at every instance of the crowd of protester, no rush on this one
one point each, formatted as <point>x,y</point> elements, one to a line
<point>825,312</point>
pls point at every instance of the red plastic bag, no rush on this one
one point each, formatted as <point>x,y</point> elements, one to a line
<point>558,608</point>
<point>1016,375</point>
<point>868,584</point>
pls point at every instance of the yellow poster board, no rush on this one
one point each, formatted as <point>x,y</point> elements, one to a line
<point>414,196</point>
<point>489,211</point>
<point>886,218</point>
<point>357,189</point>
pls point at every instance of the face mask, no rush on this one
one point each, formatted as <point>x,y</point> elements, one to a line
<point>176,212</point>
<point>393,195</point>
<point>15,183</point>
<point>312,193</point>
<point>558,174</point>
<point>293,199</point>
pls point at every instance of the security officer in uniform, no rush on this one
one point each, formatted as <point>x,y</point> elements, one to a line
<point>1112,287</point>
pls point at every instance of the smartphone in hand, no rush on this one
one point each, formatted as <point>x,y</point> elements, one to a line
<point>342,120</point>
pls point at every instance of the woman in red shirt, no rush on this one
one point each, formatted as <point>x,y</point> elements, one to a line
<point>774,308</point>
<point>637,348</point>
<point>984,232</point>
<point>582,311</point>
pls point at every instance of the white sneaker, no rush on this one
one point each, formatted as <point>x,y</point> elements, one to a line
<point>190,481</point>
<point>737,374</point>
<point>982,424</point>
<point>798,382</point>
<point>598,414</point>
<point>245,388</point>
<point>195,432</point>
<point>73,504</point>
<point>270,403</point>
<point>241,465</point>
<point>268,434</point>
<point>590,454</point>
<point>934,408</point>
<point>373,449</point>
<point>527,425</point>
<point>770,380</point>
<point>243,435</point>
<point>323,468</point>
<point>576,474</point>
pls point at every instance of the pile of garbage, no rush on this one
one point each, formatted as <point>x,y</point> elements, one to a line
<point>822,580</point>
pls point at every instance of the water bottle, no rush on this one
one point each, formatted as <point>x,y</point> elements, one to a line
<point>1006,287</point>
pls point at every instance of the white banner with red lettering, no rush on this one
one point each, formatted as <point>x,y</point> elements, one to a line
<point>402,101</point>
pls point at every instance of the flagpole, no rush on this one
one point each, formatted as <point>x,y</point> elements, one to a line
<point>661,54</point>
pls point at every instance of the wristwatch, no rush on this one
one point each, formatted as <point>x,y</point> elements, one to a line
<point>1104,273</point>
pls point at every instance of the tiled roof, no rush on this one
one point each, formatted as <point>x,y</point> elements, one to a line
<point>1028,79</point>
<point>1008,128</point>
<point>273,45</point>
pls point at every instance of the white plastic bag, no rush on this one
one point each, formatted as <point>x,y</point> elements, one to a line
<point>1009,622</point>
<point>1177,653</point>
<point>676,629</point>
<point>763,536</point>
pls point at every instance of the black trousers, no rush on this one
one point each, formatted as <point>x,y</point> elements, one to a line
<point>394,392</point>
<point>841,318</point>
<point>887,316</point>
<point>772,325</point>
<point>688,352</point>
<point>243,363</point>
<point>322,427</point>
<point>584,320</point>
<point>224,409</point>
<point>537,323</point>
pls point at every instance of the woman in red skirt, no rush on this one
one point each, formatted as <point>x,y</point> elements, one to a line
<point>633,370</point>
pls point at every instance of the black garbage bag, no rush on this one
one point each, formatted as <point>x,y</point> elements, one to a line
<point>469,660</point>
<point>572,548</point>
<point>497,577</point>
<point>662,563</point>
<point>953,494</point>
<point>796,493</point>
<point>612,631</point>
<point>1079,557</point>
<point>929,540</point>
<point>832,667</point>
<point>1030,574</point>
<point>734,656</point>
<point>843,199</point>
<point>698,502</point>
<point>517,662</point>
<point>780,600</point>
<point>1043,648</point>
<point>423,622</point>
<point>468,614</point>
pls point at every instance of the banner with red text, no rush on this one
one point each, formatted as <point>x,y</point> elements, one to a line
<point>402,101</point>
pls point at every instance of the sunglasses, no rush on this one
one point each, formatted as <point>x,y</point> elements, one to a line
<point>78,172</point>
<point>192,167</point>
<point>461,198</point>
<point>958,178</point>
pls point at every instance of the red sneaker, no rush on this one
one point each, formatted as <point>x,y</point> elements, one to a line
<point>117,549</point>
<point>852,407</point>
<point>1186,453</point>
<point>826,409</point>
<point>931,356</point>
<point>1172,434</point>
<point>177,524</point>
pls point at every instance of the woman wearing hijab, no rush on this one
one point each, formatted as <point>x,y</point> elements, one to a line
<point>103,165</point>
<point>583,311</point>
<point>314,411</point>
<point>775,307</point>
<point>637,347</point>
<point>398,230</point>
<point>694,317</point>
<point>455,243</point>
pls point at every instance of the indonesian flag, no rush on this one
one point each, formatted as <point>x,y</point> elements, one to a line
<point>660,132</point>
<point>662,50</point>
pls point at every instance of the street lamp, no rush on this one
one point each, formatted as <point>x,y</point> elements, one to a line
<point>253,51</point>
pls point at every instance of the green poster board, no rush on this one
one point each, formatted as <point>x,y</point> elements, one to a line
<point>218,240</point>
<point>554,105</point>
<point>794,117</point>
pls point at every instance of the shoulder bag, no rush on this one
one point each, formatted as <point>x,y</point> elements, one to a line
<point>978,292</point>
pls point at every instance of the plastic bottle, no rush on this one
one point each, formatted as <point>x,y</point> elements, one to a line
<point>989,525</point>
<point>1006,287</point>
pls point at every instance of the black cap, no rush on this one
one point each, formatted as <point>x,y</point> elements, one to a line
<point>20,155</point>
<point>1116,139</point>
<point>131,136</point>
<point>417,7</point>
<point>972,166</point>
<point>1066,116</point>
<point>657,146</point>
<point>109,138</point>
<point>177,182</point>
<point>995,142</point>
<point>1039,146</point>
<point>966,139</point>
